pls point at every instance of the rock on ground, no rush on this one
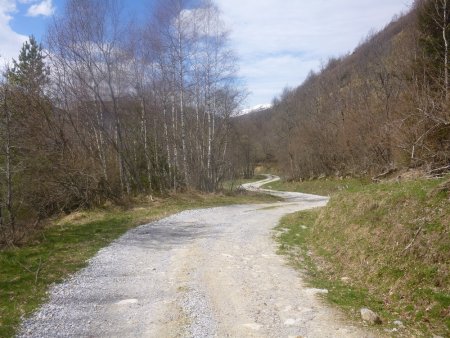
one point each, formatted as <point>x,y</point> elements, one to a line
<point>369,316</point>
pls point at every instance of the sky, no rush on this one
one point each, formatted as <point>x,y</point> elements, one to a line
<point>278,42</point>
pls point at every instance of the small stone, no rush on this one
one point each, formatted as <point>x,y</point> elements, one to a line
<point>399,323</point>
<point>345,279</point>
<point>253,326</point>
<point>289,322</point>
<point>369,316</point>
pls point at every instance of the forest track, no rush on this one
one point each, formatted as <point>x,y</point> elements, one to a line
<point>200,273</point>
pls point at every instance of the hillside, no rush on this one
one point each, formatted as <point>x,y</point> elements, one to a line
<point>381,107</point>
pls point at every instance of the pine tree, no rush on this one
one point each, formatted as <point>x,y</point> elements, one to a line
<point>30,73</point>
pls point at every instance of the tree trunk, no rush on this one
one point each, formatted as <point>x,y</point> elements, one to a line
<point>8,166</point>
<point>444,36</point>
<point>145,141</point>
<point>175,149</point>
<point>182,121</point>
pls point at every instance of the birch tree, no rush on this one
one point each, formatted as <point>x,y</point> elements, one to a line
<point>86,45</point>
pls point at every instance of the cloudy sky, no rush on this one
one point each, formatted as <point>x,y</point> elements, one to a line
<point>278,41</point>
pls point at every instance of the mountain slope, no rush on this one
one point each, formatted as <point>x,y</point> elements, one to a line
<point>362,113</point>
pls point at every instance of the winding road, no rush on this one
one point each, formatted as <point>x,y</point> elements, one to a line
<point>200,273</point>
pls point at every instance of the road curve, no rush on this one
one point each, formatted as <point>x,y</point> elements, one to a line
<point>200,273</point>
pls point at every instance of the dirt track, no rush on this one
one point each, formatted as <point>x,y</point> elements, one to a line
<point>201,273</point>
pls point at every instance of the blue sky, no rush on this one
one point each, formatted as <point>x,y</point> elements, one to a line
<point>25,23</point>
<point>277,41</point>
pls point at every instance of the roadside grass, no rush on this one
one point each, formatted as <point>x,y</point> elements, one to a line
<point>324,187</point>
<point>65,245</point>
<point>384,246</point>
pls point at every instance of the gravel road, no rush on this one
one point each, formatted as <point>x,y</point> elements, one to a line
<point>200,273</point>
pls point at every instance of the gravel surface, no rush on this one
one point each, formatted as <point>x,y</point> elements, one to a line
<point>200,273</point>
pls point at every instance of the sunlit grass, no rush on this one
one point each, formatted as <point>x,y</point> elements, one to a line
<point>324,187</point>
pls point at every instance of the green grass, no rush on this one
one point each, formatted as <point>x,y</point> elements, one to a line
<point>383,246</point>
<point>65,246</point>
<point>324,187</point>
<point>295,241</point>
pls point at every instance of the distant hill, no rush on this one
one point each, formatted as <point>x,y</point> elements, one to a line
<point>257,108</point>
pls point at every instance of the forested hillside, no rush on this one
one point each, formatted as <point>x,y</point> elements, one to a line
<point>106,108</point>
<point>383,106</point>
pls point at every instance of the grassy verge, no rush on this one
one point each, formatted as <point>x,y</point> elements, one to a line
<point>324,187</point>
<point>66,244</point>
<point>383,246</point>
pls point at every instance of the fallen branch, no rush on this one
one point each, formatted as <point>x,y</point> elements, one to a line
<point>383,175</point>
<point>413,240</point>
<point>438,171</point>
<point>35,273</point>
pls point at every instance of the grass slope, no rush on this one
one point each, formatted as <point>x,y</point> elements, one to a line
<point>324,187</point>
<point>385,246</point>
<point>65,246</point>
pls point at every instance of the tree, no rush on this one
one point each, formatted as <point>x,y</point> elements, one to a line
<point>434,29</point>
<point>126,109</point>
<point>196,85</point>
<point>30,73</point>
<point>7,131</point>
<point>22,103</point>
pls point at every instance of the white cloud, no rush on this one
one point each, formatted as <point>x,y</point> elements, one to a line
<point>44,8</point>
<point>10,41</point>
<point>279,42</point>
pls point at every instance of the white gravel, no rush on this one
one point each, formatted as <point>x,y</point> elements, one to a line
<point>200,273</point>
